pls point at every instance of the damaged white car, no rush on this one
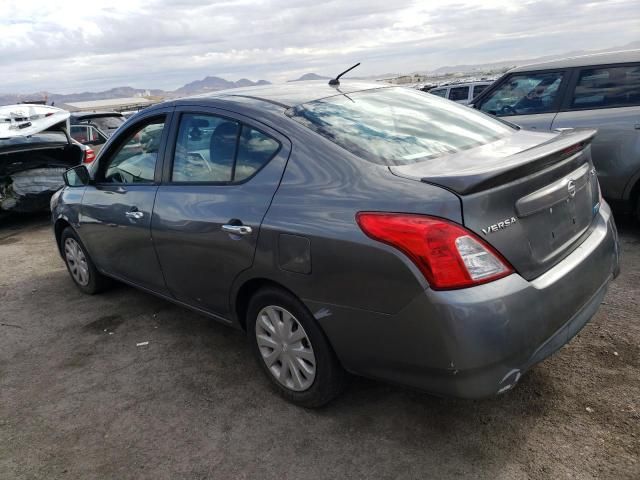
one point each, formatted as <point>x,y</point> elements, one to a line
<point>35,150</point>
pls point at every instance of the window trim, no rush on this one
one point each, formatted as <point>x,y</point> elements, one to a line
<point>557,103</point>
<point>575,78</point>
<point>173,142</point>
<point>115,142</point>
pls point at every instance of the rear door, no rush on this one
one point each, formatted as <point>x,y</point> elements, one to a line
<point>530,100</point>
<point>608,98</point>
<point>115,220</point>
<point>221,175</point>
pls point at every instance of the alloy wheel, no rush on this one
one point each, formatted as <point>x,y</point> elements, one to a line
<point>285,348</point>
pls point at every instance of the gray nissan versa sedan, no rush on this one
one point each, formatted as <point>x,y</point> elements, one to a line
<point>351,228</point>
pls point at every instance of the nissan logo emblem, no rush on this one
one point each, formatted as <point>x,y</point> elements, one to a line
<point>571,186</point>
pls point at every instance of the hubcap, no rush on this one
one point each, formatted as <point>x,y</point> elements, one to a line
<point>77,261</point>
<point>285,348</point>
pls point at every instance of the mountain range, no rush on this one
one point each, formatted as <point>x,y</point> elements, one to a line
<point>207,84</point>
<point>511,63</point>
<point>212,83</point>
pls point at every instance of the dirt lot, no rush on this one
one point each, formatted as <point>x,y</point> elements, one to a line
<point>79,399</point>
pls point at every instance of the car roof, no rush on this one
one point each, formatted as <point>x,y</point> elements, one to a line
<point>84,115</point>
<point>625,56</point>
<point>288,94</point>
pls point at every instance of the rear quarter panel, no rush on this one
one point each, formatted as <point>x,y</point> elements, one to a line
<point>322,190</point>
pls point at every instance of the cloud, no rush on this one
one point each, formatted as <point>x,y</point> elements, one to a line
<point>72,45</point>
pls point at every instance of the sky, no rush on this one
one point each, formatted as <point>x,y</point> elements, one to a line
<point>70,46</point>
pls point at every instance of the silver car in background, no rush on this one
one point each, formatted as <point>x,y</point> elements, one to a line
<point>462,93</point>
<point>599,91</point>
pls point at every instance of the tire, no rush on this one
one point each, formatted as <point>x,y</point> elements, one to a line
<point>80,266</point>
<point>318,377</point>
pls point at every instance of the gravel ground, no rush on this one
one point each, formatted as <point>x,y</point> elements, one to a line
<point>79,399</point>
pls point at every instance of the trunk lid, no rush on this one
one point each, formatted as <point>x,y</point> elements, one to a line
<point>532,196</point>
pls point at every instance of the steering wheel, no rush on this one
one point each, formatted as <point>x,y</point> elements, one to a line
<point>507,110</point>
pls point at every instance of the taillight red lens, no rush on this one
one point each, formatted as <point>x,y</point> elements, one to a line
<point>567,152</point>
<point>447,254</point>
<point>89,156</point>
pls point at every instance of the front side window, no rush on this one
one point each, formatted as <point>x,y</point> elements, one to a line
<point>524,94</point>
<point>398,126</point>
<point>135,160</point>
<point>607,87</point>
<point>458,93</point>
<point>439,92</point>
<point>214,149</point>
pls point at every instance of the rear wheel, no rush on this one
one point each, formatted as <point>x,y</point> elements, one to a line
<point>82,270</point>
<point>292,349</point>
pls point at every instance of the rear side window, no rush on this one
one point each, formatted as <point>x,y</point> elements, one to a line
<point>607,87</point>
<point>86,134</point>
<point>255,149</point>
<point>478,89</point>
<point>524,94</point>
<point>108,124</point>
<point>458,93</point>
<point>214,149</point>
<point>398,126</point>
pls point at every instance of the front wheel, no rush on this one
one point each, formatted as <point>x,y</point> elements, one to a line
<point>292,349</point>
<point>82,270</point>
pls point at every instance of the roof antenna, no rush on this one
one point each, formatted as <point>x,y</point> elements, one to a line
<point>336,81</point>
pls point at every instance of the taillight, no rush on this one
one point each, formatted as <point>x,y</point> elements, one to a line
<point>89,156</point>
<point>567,152</point>
<point>447,254</point>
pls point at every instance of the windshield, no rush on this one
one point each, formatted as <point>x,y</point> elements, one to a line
<point>398,126</point>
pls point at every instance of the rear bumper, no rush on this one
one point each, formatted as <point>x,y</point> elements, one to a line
<point>477,342</point>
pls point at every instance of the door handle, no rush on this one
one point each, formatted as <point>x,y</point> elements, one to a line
<point>237,229</point>
<point>135,214</point>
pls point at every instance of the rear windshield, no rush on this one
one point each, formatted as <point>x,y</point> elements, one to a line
<point>39,138</point>
<point>108,124</point>
<point>398,126</point>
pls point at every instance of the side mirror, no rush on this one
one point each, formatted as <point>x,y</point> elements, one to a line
<point>77,176</point>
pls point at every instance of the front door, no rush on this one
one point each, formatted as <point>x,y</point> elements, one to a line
<point>530,100</point>
<point>222,176</point>
<point>115,222</point>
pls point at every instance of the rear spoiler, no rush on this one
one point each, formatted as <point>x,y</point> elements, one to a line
<point>466,178</point>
